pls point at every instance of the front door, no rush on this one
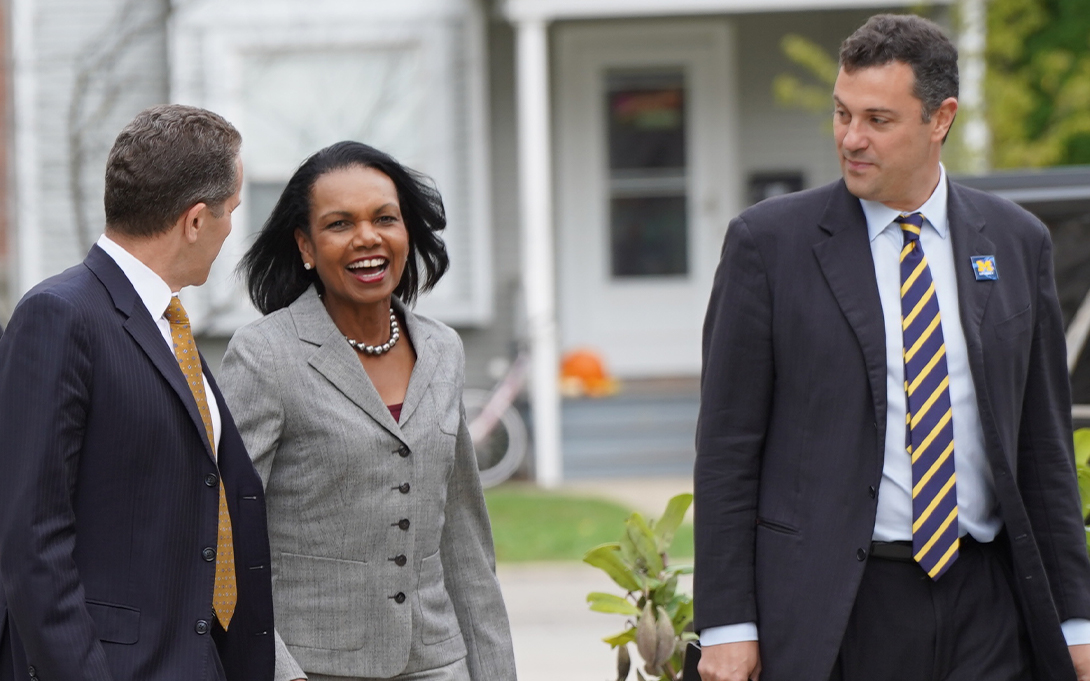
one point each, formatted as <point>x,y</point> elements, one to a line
<point>646,185</point>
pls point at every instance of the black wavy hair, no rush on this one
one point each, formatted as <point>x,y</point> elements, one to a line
<point>273,268</point>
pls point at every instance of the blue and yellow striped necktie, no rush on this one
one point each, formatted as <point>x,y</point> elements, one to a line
<point>929,437</point>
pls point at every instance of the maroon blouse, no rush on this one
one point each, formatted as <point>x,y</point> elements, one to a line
<point>395,411</point>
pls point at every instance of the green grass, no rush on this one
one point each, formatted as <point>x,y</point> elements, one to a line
<point>529,524</point>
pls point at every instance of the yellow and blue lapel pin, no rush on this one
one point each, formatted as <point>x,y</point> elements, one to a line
<point>984,268</point>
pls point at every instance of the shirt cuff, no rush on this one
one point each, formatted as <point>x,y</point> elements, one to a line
<point>1076,632</point>
<point>734,633</point>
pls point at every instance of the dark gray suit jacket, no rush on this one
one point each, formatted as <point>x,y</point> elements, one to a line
<point>793,417</point>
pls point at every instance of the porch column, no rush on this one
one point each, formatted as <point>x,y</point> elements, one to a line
<point>971,44</point>
<point>536,212</point>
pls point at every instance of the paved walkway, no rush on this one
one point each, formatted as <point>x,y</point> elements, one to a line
<point>556,635</point>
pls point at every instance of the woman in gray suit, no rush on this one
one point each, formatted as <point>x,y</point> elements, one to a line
<point>350,406</point>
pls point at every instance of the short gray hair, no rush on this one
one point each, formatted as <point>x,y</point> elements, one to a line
<point>167,159</point>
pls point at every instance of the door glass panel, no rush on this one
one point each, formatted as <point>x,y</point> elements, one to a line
<point>647,173</point>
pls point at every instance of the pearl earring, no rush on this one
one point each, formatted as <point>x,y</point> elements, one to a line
<point>307,266</point>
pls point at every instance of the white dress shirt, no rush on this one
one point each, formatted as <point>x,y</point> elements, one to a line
<point>156,295</point>
<point>978,511</point>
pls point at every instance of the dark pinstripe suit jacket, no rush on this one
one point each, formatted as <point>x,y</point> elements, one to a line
<point>108,496</point>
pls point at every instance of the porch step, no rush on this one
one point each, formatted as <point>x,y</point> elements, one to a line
<point>630,435</point>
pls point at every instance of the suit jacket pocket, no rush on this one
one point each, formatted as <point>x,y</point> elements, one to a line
<point>322,602</point>
<point>777,526</point>
<point>115,623</point>
<point>1013,328</point>
<point>438,622</point>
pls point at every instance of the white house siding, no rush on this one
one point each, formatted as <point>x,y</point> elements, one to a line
<point>65,35</point>
<point>497,342</point>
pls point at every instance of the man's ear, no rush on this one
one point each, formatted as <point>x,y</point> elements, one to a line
<point>193,221</point>
<point>943,118</point>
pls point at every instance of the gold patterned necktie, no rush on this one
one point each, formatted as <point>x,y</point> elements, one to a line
<point>225,592</point>
<point>929,428</point>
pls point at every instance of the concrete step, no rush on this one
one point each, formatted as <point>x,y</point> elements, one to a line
<point>629,435</point>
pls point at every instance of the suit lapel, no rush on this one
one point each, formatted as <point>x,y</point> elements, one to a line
<point>337,361</point>
<point>427,359</point>
<point>142,328</point>
<point>848,266</point>
<point>968,239</point>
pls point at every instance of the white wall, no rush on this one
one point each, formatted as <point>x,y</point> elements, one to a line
<point>52,40</point>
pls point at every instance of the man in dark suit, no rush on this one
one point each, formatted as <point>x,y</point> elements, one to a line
<point>133,542</point>
<point>885,485</point>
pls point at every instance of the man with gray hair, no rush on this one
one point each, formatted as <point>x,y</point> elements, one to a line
<point>885,482</point>
<point>133,542</point>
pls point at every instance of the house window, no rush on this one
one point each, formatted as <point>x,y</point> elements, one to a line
<point>262,199</point>
<point>648,187</point>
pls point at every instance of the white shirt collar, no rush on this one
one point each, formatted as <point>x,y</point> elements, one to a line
<point>880,216</point>
<point>153,291</point>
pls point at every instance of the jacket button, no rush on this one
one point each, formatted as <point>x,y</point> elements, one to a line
<point>403,451</point>
<point>400,561</point>
<point>201,627</point>
<point>211,480</point>
<point>209,554</point>
<point>861,554</point>
<point>403,523</point>
<point>399,598</point>
<point>404,488</point>
<point>872,491</point>
<point>32,670</point>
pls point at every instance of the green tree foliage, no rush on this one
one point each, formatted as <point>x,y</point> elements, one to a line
<point>814,96</point>
<point>1038,82</point>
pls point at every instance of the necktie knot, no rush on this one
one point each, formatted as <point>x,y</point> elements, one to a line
<point>175,313</point>
<point>911,225</point>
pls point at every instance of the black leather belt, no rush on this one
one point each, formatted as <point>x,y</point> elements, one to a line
<point>892,550</point>
<point>902,550</point>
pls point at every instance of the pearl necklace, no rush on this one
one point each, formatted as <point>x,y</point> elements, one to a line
<point>395,334</point>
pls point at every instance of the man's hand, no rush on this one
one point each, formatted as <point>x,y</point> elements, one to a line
<point>742,661</point>
<point>1080,655</point>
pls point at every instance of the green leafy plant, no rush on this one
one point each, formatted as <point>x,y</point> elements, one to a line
<point>658,614</point>
<point>1082,465</point>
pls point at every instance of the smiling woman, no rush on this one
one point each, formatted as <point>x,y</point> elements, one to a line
<point>351,408</point>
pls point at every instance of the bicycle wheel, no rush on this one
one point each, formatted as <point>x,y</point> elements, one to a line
<point>500,452</point>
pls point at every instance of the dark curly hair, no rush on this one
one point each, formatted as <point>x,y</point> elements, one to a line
<point>273,270</point>
<point>912,40</point>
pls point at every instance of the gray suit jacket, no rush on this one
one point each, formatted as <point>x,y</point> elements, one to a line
<point>382,558</point>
